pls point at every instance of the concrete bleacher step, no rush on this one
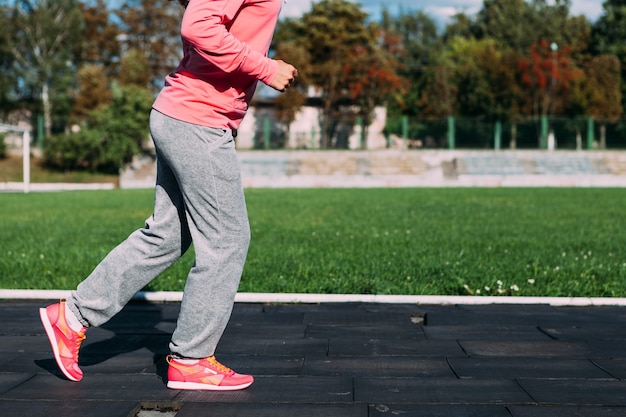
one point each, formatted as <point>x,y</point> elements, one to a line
<point>540,163</point>
<point>566,164</point>
<point>491,164</point>
<point>400,163</point>
<point>330,164</point>
<point>615,163</point>
<point>414,168</point>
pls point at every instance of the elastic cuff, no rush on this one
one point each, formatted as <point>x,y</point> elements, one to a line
<point>74,309</point>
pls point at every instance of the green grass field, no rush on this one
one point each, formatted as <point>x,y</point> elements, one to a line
<point>11,171</point>
<point>481,241</point>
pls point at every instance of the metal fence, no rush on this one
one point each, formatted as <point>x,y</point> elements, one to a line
<point>448,133</point>
<point>530,133</point>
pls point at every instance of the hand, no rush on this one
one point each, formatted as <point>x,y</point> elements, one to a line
<point>285,75</point>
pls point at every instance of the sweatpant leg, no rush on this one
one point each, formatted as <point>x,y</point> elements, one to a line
<point>139,259</point>
<point>205,164</point>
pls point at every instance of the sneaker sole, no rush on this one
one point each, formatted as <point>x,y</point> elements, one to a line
<point>198,386</point>
<point>53,343</point>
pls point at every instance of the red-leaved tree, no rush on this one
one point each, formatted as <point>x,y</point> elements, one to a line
<point>547,73</point>
<point>372,78</point>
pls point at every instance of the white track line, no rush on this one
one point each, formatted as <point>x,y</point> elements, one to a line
<point>172,296</point>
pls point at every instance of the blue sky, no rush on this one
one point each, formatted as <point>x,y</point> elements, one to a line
<point>439,10</point>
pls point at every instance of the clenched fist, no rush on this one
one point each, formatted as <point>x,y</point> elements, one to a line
<point>285,75</point>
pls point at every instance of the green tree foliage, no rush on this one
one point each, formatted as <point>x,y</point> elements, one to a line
<point>152,27</point>
<point>603,76</point>
<point>93,91</point>
<point>331,33</point>
<point>460,25</point>
<point>438,95</point>
<point>605,95</point>
<point>8,78</point>
<point>100,44</point>
<point>289,103</point>
<point>417,33</point>
<point>483,78</point>
<point>519,24</point>
<point>372,77</point>
<point>608,35</point>
<point>418,48</point>
<point>110,138</point>
<point>135,69</point>
<point>509,22</point>
<point>67,56</point>
<point>43,33</point>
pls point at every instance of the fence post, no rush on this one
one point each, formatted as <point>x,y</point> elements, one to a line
<point>451,133</point>
<point>543,142</point>
<point>266,133</point>
<point>405,130</point>
<point>590,134</point>
<point>497,137</point>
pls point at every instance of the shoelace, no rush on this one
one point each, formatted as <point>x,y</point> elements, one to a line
<point>221,368</point>
<point>79,340</point>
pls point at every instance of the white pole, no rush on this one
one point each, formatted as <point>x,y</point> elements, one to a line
<point>26,160</point>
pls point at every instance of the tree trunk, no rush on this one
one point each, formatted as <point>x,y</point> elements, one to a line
<point>602,136</point>
<point>47,109</point>
<point>513,143</point>
<point>325,139</point>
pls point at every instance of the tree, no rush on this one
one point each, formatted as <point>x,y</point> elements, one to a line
<point>417,49</point>
<point>605,96</point>
<point>153,27</point>
<point>484,78</point>
<point>519,24</point>
<point>438,93</point>
<point>372,78</point>
<point>554,23</point>
<point>110,137</point>
<point>289,103</point>
<point>460,25</point>
<point>419,38</point>
<point>547,73</point>
<point>508,22</point>
<point>608,34</point>
<point>135,69</point>
<point>8,79</point>
<point>100,44</point>
<point>43,34</point>
<point>93,91</point>
<point>331,33</point>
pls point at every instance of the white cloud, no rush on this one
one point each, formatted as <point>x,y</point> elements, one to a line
<point>590,8</point>
<point>441,14</point>
<point>295,8</point>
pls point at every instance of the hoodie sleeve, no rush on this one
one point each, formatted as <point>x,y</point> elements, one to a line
<point>205,26</point>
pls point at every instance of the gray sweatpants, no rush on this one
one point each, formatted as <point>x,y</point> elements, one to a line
<point>198,198</point>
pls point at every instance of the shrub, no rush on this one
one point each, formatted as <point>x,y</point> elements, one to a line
<point>89,149</point>
<point>110,137</point>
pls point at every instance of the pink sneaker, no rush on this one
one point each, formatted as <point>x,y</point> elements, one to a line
<point>205,374</point>
<point>65,342</point>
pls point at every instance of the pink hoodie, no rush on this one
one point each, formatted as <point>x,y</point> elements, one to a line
<point>225,45</point>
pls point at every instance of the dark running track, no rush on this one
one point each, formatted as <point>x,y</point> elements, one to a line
<point>334,360</point>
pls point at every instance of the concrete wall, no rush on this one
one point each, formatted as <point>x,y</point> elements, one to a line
<point>418,168</point>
